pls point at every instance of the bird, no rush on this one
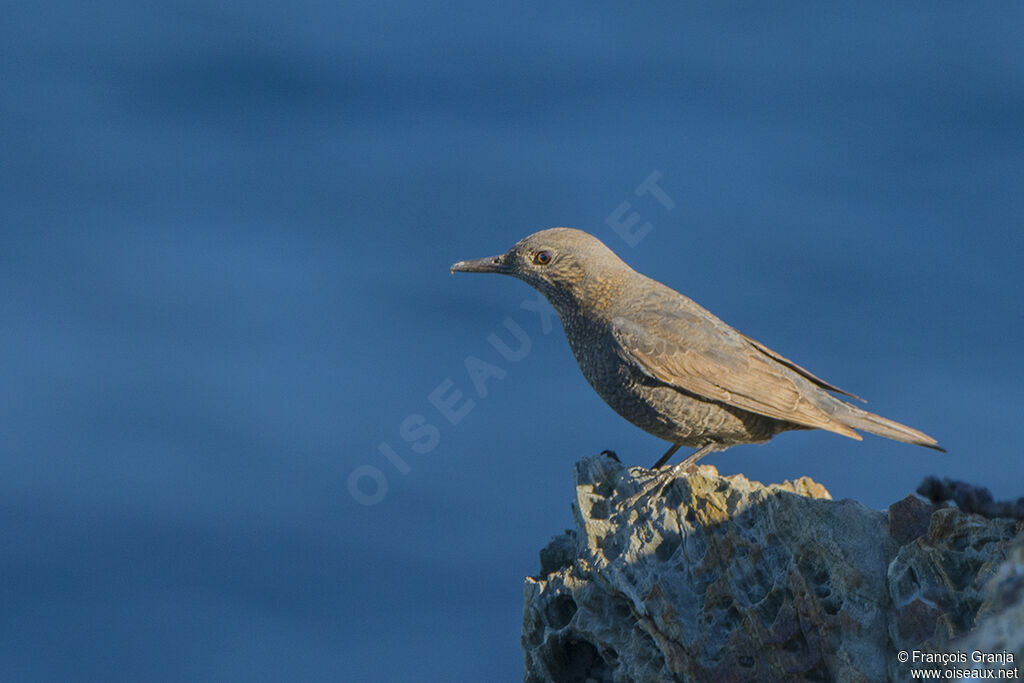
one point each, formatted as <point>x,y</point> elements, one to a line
<point>667,364</point>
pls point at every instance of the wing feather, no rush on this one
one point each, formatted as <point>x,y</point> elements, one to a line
<point>729,370</point>
<point>796,368</point>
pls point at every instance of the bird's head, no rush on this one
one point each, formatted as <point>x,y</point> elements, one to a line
<point>560,263</point>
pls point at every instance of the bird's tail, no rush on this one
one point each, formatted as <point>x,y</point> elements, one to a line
<point>876,424</point>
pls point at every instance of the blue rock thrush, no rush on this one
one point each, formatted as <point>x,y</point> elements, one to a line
<point>667,364</point>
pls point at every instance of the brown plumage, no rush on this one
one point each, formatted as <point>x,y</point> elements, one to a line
<point>667,364</point>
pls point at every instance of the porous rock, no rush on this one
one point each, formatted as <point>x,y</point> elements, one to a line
<point>690,576</point>
<point>1001,617</point>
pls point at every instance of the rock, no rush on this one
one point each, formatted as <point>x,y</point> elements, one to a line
<point>937,582</point>
<point>672,576</point>
<point>970,498</point>
<point>1001,617</point>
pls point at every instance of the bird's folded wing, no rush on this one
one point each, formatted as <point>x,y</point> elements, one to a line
<point>796,368</point>
<point>724,368</point>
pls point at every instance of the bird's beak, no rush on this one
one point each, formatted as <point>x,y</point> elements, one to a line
<point>491,264</point>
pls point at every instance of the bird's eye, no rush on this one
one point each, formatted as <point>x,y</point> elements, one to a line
<point>542,257</point>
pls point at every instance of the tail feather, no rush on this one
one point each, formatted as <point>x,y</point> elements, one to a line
<point>858,418</point>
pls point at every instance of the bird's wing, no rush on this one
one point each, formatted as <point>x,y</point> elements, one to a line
<point>706,357</point>
<point>796,368</point>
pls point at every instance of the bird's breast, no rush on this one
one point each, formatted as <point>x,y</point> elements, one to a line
<point>657,408</point>
<point>603,362</point>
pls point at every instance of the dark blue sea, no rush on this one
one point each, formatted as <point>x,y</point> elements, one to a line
<point>238,436</point>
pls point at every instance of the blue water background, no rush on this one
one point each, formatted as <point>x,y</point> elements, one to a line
<point>225,232</point>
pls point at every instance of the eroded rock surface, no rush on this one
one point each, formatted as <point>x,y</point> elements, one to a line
<point>698,577</point>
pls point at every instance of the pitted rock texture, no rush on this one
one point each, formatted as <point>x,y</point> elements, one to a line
<point>1001,621</point>
<point>675,576</point>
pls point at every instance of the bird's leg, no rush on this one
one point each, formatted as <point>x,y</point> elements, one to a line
<point>690,463</point>
<point>668,454</point>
